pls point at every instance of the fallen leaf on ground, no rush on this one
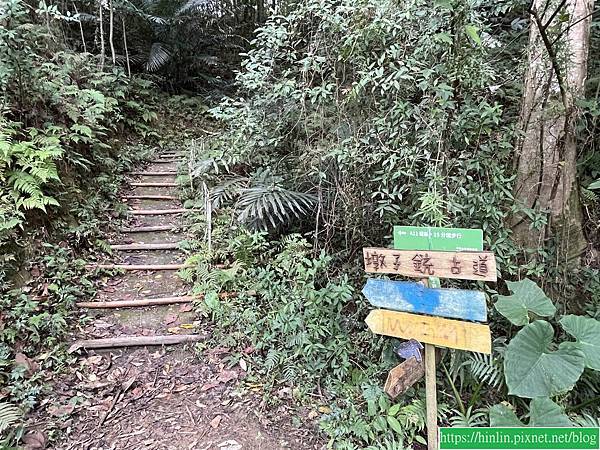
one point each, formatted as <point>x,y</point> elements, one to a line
<point>243,364</point>
<point>216,421</point>
<point>227,375</point>
<point>61,410</point>
<point>28,364</point>
<point>170,318</point>
<point>93,360</point>
<point>35,440</point>
<point>207,386</point>
<point>230,445</point>
<point>186,307</point>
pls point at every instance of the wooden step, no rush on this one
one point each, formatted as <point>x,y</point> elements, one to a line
<point>153,301</point>
<point>171,155</point>
<point>150,197</point>
<point>149,229</point>
<point>157,246</point>
<point>131,267</point>
<point>138,302</point>
<point>135,341</point>
<point>150,184</point>
<point>165,161</point>
<point>154,174</point>
<point>157,212</point>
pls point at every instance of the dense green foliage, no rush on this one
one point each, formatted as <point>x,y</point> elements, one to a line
<point>67,133</point>
<point>386,113</point>
<point>346,117</point>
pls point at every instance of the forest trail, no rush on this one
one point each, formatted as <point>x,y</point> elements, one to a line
<point>158,397</point>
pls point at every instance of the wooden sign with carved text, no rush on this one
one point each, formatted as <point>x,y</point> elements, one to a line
<point>479,266</point>
<point>431,330</point>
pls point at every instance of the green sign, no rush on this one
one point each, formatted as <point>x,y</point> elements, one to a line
<point>519,438</point>
<point>437,238</point>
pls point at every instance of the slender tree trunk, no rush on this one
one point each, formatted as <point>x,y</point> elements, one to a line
<point>80,28</point>
<point>126,49</point>
<point>111,29</point>
<point>102,45</point>
<point>260,11</point>
<point>547,149</point>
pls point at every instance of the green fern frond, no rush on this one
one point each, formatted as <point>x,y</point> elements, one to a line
<point>9,415</point>
<point>485,369</point>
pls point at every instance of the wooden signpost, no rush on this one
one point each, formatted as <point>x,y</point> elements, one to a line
<point>480,266</point>
<point>414,297</point>
<point>424,311</point>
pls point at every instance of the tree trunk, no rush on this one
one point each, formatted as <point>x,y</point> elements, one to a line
<point>111,30</point>
<point>126,49</point>
<point>80,28</point>
<point>102,46</point>
<point>547,149</point>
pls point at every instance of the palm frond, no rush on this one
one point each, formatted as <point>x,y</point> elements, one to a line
<point>227,190</point>
<point>9,415</point>
<point>262,207</point>
<point>158,57</point>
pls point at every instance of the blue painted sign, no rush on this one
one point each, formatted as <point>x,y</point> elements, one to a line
<point>415,298</point>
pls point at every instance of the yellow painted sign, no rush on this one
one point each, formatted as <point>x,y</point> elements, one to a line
<point>432,330</point>
<point>479,266</point>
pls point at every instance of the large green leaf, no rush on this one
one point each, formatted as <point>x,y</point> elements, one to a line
<point>587,332</point>
<point>532,370</point>
<point>502,415</point>
<point>543,412</point>
<point>527,297</point>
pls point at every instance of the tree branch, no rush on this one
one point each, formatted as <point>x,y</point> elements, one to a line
<point>553,57</point>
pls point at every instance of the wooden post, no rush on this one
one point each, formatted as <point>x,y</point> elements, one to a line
<point>430,385</point>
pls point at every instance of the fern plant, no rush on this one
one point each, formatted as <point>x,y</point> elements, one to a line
<point>9,415</point>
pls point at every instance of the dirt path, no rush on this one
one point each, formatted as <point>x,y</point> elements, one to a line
<point>160,397</point>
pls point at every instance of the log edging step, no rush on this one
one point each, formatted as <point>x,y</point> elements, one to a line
<point>154,174</point>
<point>150,197</point>
<point>136,341</point>
<point>147,229</point>
<point>131,267</point>
<point>158,212</point>
<point>151,184</point>
<point>149,246</point>
<point>153,301</point>
<point>138,302</point>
